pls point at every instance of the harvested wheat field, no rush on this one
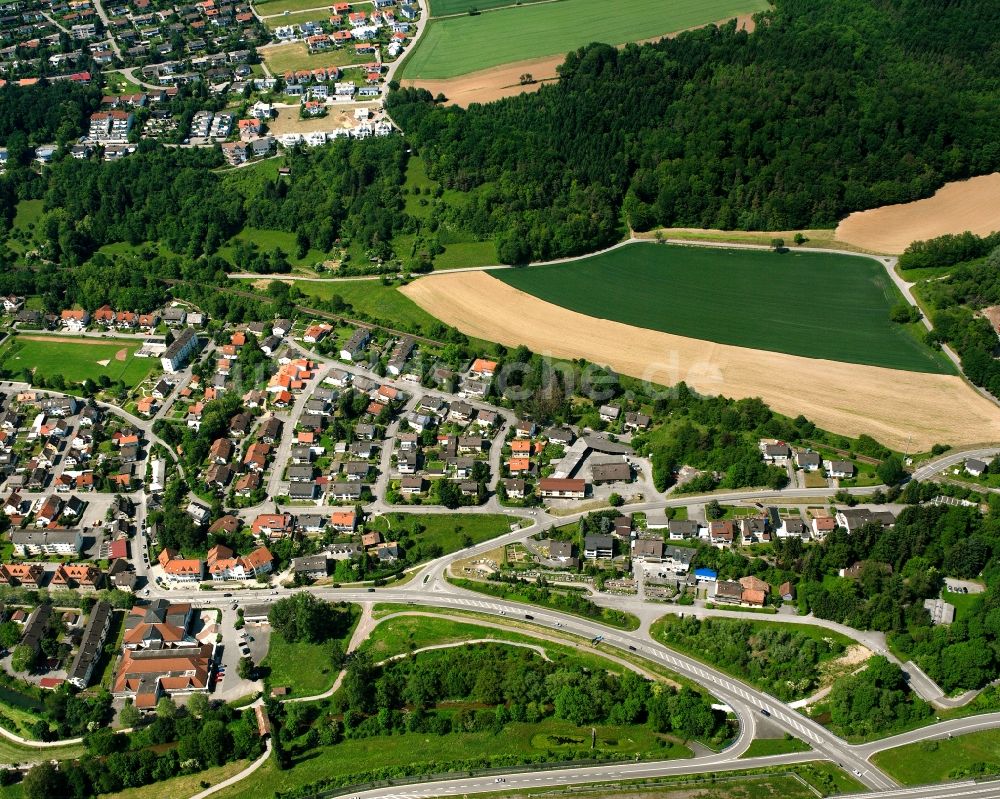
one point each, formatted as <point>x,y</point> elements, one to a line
<point>906,410</point>
<point>495,83</point>
<point>956,207</point>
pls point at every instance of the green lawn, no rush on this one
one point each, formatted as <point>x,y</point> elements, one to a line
<point>407,633</point>
<point>183,786</point>
<point>284,57</point>
<point>384,304</point>
<point>11,752</point>
<point>463,44</point>
<point>304,668</point>
<point>429,753</point>
<point>77,359</point>
<point>936,761</point>
<point>27,212</point>
<point>963,603</point>
<point>765,747</point>
<point>450,530</point>
<point>828,306</point>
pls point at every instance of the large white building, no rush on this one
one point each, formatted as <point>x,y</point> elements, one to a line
<point>177,353</point>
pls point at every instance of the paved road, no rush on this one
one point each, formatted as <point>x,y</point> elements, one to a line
<point>928,470</point>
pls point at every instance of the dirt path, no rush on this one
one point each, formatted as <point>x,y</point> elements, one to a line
<point>956,207</point>
<point>906,410</point>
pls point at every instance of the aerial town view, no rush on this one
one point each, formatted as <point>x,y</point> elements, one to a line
<point>404,399</point>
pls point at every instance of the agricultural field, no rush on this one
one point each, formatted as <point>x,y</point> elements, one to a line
<point>972,205</point>
<point>462,44</point>
<point>830,306</point>
<point>444,8</point>
<point>902,409</point>
<point>77,359</point>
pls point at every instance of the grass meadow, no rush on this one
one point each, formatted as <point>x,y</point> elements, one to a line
<point>817,305</point>
<point>77,359</point>
<point>934,761</point>
<point>463,44</point>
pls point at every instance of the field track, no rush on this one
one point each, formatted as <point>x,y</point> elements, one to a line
<point>964,205</point>
<point>907,410</point>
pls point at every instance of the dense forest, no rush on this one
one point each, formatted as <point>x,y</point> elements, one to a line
<point>827,108</point>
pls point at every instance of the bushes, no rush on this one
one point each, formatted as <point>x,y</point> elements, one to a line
<point>876,701</point>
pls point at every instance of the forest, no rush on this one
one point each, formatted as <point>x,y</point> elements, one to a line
<point>511,685</point>
<point>826,109</point>
<point>956,299</point>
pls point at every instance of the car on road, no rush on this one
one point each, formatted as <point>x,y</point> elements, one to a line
<point>631,648</point>
<point>499,779</point>
<point>856,772</point>
<point>529,617</point>
<point>765,711</point>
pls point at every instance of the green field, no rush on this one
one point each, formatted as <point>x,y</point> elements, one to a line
<point>765,747</point>
<point>305,668</point>
<point>77,359</point>
<point>267,241</point>
<point>818,305</point>
<point>463,44</point>
<point>268,7</point>
<point>430,753</point>
<point>443,8</point>
<point>294,56</point>
<point>383,303</point>
<point>935,761</point>
<point>447,530</point>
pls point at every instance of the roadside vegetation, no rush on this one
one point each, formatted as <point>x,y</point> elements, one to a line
<point>781,659</point>
<point>971,756</point>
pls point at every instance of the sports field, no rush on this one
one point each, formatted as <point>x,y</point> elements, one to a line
<point>463,44</point>
<point>76,359</point>
<point>818,305</point>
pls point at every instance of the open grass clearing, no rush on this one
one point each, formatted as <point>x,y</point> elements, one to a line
<point>830,306</point>
<point>77,359</point>
<point>182,787</point>
<point>281,58</point>
<point>304,668</point>
<point>268,7</point>
<point>11,752</point>
<point>937,761</point>
<point>370,297</point>
<point>450,531</point>
<point>463,44</point>
<point>429,753</point>
<point>269,240</point>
